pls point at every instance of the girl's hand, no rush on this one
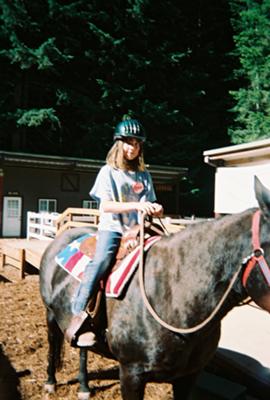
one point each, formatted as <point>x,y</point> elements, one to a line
<point>158,210</point>
<point>149,208</point>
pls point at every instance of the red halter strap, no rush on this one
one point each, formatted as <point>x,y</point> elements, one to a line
<point>256,230</point>
<point>257,258</point>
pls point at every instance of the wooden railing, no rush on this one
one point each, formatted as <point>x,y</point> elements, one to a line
<point>77,217</point>
<point>45,226</point>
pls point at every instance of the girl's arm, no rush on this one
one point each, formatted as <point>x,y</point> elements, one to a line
<point>116,207</point>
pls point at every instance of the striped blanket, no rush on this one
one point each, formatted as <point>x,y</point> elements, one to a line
<point>74,261</point>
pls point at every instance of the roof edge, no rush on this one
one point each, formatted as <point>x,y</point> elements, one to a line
<point>238,148</point>
<point>81,162</point>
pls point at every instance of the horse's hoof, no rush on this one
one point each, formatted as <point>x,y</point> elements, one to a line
<point>49,388</point>
<point>83,395</point>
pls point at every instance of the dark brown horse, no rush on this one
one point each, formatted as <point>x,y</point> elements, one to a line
<point>186,276</point>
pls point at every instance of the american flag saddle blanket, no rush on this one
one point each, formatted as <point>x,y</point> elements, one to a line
<point>73,259</point>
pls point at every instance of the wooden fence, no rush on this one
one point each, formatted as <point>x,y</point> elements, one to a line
<point>41,225</point>
<point>45,226</point>
<point>77,217</point>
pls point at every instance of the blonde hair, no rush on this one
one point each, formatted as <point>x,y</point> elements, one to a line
<point>115,158</point>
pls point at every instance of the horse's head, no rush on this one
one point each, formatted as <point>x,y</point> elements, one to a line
<point>256,277</point>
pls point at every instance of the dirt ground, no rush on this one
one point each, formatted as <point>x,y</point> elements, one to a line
<point>23,352</point>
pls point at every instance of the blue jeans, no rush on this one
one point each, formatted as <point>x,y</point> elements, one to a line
<point>107,246</point>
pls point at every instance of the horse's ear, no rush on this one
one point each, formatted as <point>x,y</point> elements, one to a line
<point>262,196</point>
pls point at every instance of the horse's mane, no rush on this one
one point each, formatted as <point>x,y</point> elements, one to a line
<point>230,225</point>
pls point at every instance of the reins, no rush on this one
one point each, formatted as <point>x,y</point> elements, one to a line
<point>151,309</point>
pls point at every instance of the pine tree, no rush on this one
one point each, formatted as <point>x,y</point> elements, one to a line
<point>69,71</point>
<point>43,75</point>
<point>252,109</point>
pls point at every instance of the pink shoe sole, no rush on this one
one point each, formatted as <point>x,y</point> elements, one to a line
<point>75,325</point>
<point>87,339</point>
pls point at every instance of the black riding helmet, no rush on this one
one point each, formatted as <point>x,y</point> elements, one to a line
<point>129,128</point>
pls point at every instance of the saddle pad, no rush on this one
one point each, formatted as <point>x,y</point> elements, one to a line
<point>73,261</point>
<point>118,279</point>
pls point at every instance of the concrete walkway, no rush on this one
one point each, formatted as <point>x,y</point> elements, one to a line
<point>244,347</point>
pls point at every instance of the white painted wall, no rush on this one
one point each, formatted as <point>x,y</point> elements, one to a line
<point>234,187</point>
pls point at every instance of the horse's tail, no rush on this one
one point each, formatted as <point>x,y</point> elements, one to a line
<point>55,339</point>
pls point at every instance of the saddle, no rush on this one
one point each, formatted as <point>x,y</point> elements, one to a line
<point>130,240</point>
<point>94,320</point>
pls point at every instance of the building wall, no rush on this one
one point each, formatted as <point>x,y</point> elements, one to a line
<point>32,184</point>
<point>68,187</point>
<point>169,196</point>
<point>234,187</point>
<point>236,167</point>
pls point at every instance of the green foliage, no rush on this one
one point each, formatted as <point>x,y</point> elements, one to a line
<point>252,101</point>
<point>71,69</point>
<point>35,118</point>
<point>43,56</point>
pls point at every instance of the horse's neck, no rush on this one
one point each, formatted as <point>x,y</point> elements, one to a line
<point>202,261</point>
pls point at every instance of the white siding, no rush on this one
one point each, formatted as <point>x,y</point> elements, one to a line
<point>234,187</point>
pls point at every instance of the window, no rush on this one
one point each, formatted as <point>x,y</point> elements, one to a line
<point>13,208</point>
<point>90,204</point>
<point>47,205</point>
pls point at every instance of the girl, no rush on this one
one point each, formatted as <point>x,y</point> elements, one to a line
<point>123,187</point>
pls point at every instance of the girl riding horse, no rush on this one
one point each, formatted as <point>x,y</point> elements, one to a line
<point>191,280</point>
<point>123,188</point>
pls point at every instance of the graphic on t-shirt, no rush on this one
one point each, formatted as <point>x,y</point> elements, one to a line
<point>138,187</point>
<point>124,186</point>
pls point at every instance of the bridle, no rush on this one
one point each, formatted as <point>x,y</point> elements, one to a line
<point>256,258</point>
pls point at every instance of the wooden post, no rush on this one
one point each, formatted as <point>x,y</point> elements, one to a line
<point>22,263</point>
<point>2,261</point>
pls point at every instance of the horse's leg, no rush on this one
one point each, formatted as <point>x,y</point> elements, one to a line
<point>132,383</point>
<point>55,340</point>
<point>182,387</point>
<point>84,391</point>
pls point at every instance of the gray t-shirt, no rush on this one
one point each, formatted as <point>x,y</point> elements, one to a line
<point>117,185</point>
